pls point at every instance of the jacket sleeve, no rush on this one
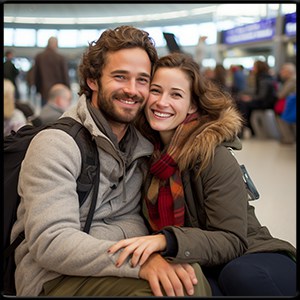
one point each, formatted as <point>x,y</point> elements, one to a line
<point>218,201</point>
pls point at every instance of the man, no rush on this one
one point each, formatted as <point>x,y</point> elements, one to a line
<point>57,258</point>
<point>59,100</point>
<point>287,74</point>
<point>11,72</point>
<point>50,68</point>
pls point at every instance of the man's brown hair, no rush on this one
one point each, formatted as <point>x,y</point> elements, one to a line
<point>111,40</point>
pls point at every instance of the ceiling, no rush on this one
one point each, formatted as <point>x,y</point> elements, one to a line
<point>138,14</point>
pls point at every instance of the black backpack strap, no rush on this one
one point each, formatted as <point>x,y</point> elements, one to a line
<point>90,170</point>
<point>89,154</point>
<point>90,167</point>
<point>90,215</point>
<point>8,251</point>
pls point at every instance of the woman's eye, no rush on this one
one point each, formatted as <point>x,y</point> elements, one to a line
<point>177,95</point>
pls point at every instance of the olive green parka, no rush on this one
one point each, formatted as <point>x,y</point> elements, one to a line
<point>220,222</point>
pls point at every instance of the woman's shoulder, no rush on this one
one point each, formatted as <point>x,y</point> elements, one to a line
<point>223,161</point>
<point>224,152</point>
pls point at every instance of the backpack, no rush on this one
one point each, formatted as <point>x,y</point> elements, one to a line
<point>15,147</point>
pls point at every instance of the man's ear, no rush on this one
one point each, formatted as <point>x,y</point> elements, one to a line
<point>92,84</point>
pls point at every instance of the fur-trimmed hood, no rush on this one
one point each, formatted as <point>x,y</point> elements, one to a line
<point>201,143</point>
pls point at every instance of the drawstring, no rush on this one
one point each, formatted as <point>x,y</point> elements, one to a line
<point>124,183</point>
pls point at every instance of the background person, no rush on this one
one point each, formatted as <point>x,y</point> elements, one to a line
<point>200,50</point>
<point>220,78</point>
<point>50,67</point>
<point>10,72</point>
<point>288,80</point>
<point>287,121</point>
<point>239,80</point>
<point>264,96</point>
<point>59,100</point>
<point>13,117</point>
<point>287,88</point>
<point>195,200</point>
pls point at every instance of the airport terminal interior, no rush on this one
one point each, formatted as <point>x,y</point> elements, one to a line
<point>234,34</point>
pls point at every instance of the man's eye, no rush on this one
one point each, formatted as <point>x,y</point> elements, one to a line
<point>144,80</point>
<point>119,76</point>
<point>154,91</point>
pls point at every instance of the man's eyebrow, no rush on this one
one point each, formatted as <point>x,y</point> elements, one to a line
<point>145,75</point>
<point>119,71</point>
<point>126,72</point>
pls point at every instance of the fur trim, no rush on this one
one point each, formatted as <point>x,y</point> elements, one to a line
<point>202,143</point>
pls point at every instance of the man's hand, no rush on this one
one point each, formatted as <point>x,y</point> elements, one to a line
<point>173,278</point>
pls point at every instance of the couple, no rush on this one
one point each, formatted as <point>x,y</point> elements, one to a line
<point>194,200</point>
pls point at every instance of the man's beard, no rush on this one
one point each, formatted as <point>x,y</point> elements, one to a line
<point>106,106</point>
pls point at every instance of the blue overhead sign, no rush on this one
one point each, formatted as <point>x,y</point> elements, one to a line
<point>263,30</point>
<point>290,24</point>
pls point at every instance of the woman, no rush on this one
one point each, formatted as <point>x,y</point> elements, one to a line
<point>264,96</point>
<point>195,198</point>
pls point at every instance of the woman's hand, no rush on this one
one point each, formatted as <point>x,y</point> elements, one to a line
<point>140,247</point>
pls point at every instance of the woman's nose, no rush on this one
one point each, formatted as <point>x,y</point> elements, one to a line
<point>163,100</point>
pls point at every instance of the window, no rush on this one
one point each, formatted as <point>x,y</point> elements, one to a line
<point>43,36</point>
<point>8,36</point>
<point>157,34</point>
<point>24,37</point>
<point>87,36</point>
<point>67,38</point>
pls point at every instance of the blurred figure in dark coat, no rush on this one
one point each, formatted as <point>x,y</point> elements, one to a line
<point>10,71</point>
<point>264,96</point>
<point>50,68</point>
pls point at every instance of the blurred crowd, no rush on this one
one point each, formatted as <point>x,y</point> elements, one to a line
<point>260,89</point>
<point>50,77</point>
<point>257,89</point>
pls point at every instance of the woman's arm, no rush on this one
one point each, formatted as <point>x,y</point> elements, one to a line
<point>225,208</point>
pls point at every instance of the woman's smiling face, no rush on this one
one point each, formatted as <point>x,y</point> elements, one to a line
<point>169,101</point>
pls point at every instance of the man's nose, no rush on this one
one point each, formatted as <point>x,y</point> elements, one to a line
<point>130,88</point>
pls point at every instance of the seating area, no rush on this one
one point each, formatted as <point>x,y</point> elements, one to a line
<point>272,167</point>
<point>264,124</point>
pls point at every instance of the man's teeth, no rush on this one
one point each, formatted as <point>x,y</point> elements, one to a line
<point>162,115</point>
<point>127,101</point>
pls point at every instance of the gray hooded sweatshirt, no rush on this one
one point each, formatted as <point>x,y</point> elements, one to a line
<point>50,215</point>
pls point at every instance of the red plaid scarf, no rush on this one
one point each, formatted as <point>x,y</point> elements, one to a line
<point>165,196</point>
